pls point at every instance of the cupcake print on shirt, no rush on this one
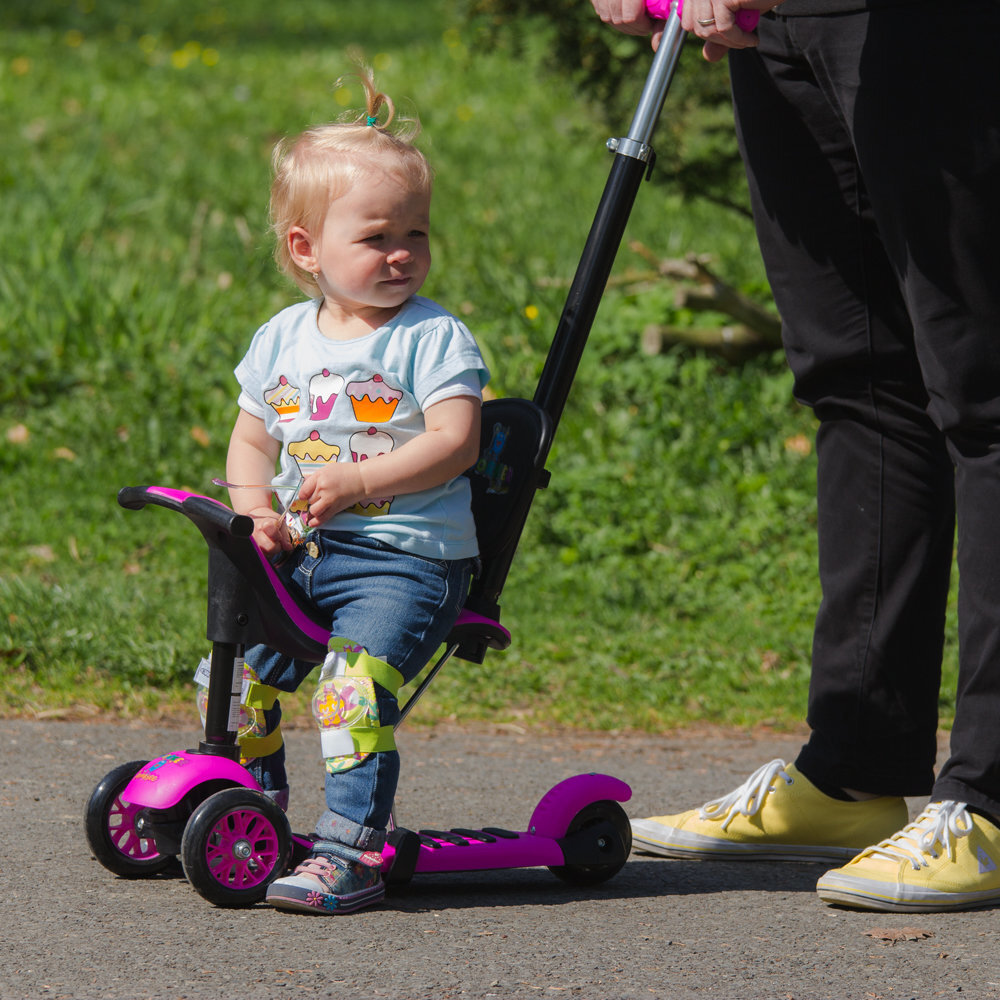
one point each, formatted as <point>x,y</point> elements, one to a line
<point>323,391</point>
<point>312,453</point>
<point>370,444</point>
<point>283,399</point>
<point>373,401</point>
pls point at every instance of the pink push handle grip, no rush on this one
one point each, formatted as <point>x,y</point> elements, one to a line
<point>660,9</point>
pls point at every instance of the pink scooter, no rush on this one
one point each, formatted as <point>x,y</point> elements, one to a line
<point>232,840</point>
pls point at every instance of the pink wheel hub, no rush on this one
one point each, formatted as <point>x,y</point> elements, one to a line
<point>242,849</point>
<point>123,832</point>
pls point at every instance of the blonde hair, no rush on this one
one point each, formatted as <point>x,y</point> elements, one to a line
<point>322,163</point>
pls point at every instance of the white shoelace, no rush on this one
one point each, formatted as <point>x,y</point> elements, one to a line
<point>937,824</point>
<point>749,797</point>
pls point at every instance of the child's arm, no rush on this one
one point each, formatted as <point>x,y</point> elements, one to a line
<point>253,454</point>
<point>446,448</point>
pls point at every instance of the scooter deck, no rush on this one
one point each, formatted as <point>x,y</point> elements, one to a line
<point>464,850</point>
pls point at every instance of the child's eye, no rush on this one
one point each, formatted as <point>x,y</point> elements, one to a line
<point>418,234</point>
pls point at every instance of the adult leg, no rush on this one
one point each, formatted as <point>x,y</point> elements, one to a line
<point>879,630</point>
<point>935,183</point>
<point>885,510</point>
<point>933,173</point>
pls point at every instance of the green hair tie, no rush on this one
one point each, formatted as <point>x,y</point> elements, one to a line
<point>371,120</point>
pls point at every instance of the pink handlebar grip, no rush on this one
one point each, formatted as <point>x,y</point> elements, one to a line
<point>660,9</point>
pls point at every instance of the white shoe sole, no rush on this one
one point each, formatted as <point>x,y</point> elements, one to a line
<point>869,894</point>
<point>669,842</point>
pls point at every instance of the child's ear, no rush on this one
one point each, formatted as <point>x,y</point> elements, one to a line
<point>302,249</point>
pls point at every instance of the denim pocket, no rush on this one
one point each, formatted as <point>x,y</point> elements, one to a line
<point>310,556</point>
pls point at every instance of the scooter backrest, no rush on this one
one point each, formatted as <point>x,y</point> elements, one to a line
<point>515,439</point>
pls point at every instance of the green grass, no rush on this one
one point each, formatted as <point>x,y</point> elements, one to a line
<point>666,577</point>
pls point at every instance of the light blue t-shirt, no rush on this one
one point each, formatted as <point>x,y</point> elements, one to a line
<point>346,401</point>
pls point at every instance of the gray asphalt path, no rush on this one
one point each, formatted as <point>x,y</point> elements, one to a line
<point>673,929</point>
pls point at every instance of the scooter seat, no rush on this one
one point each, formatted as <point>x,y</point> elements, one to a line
<point>275,617</point>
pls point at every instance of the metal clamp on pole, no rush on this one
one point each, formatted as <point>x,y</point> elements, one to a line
<point>629,147</point>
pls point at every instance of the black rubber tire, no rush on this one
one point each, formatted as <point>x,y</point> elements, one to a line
<point>235,844</point>
<point>118,845</point>
<point>591,815</point>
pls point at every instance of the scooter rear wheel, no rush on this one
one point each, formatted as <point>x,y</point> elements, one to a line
<point>114,828</point>
<point>615,845</point>
<point>235,844</point>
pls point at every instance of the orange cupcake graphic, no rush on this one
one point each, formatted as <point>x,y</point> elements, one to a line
<point>373,401</point>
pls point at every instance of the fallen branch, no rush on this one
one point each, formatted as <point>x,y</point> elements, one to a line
<point>734,343</point>
<point>756,328</point>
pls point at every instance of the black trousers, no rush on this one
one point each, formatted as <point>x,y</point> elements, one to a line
<point>872,146</point>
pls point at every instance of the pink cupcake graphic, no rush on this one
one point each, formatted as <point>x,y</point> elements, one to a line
<point>364,445</point>
<point>323,391</point>
<point>370,444</point>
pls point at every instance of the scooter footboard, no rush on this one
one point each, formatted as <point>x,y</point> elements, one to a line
<point>547,842</point>
<point>461,850</point>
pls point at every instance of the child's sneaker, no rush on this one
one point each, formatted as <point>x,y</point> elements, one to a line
<point>777,814</point>
<point>330,883</point>
<point>946,859</point>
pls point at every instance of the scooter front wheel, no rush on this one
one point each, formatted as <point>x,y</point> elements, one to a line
<point>114,828</point>
<point>599,831</point>
<point>235,844</point>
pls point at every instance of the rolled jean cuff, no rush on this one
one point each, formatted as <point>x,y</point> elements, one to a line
<point>344,832</point>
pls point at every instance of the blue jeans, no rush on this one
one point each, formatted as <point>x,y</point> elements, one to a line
<point>400,607</point>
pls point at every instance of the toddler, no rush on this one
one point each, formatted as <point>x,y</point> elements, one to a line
<point>369,396</point>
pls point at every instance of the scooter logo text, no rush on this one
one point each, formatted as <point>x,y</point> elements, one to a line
<point>148,773</point>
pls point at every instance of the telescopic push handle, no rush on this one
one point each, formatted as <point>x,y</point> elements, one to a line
<point>661,9</point>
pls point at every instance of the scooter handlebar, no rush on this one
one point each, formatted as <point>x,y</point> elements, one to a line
<point>204,511</point>
<point>661,10</point>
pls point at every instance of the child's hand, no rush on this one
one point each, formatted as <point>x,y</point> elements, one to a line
<point>330,491</point>
<point>270,532</point>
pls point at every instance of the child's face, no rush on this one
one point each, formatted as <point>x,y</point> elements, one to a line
<point>373,250</point>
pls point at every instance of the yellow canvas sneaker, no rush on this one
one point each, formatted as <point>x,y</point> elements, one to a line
<point>946,859</point>
<point>777,814</point>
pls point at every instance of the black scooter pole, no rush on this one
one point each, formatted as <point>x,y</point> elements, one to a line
<point>633,159</point>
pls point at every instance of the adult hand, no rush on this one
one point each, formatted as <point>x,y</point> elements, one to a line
<point>715,22</point>
<point>712,20</point>
<point>628,16</point>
